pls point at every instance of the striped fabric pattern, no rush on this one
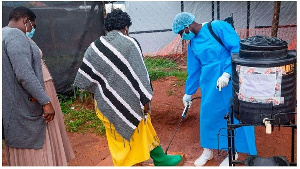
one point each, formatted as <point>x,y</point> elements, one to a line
<point>113,69</point>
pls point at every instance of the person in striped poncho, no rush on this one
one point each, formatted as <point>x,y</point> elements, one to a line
<point>113,69</point>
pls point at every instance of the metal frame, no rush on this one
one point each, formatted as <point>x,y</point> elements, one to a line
<point>230,131</point>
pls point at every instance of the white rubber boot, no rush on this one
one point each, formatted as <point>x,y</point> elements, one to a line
<point>206,155</point>
<point>225,162</point>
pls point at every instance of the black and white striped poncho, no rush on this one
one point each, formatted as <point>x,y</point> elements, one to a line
<point>113,69</point>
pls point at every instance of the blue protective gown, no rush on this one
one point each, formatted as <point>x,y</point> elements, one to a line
<point>206,62</point>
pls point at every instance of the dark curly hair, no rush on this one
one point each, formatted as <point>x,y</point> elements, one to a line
<point>20,12</point>
<point>117,20</point>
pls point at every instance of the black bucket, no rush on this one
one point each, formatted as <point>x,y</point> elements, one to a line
<point>263,52</point>
<point>261,161</point>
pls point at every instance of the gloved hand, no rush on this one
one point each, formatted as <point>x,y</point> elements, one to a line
<point>187,100</point>
<point>223,80</point>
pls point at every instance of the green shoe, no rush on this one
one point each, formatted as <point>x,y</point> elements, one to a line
<point>161,159</point>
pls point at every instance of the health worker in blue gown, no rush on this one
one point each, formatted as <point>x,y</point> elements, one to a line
<point>209,67</point>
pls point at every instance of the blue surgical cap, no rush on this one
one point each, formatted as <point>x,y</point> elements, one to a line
<point>182,20</point>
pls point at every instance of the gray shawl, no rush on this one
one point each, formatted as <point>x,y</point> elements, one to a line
<point>113,69</point>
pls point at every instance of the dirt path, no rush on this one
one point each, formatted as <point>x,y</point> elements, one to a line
<point>92,150</point>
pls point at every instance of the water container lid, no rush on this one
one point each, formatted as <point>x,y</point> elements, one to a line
<point>263,43</point>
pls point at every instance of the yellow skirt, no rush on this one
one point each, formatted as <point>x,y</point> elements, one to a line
<point>125,153</point>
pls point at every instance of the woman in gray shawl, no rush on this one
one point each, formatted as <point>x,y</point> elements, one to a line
<point>113,69</point>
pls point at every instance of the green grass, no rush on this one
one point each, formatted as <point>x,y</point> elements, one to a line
<point>170,92</point>
<point>78,118</point>
<point>84,120</point>
<point>161,67</point>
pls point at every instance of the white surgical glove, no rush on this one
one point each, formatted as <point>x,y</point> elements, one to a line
<point>187,100</point>
<point>223,80</point>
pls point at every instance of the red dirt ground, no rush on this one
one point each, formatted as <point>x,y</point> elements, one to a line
<point>92,150</point>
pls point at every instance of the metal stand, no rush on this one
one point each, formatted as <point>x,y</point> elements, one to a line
<point>230,131</point>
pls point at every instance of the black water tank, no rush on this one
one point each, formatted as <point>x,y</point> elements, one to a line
<point>264,52</point>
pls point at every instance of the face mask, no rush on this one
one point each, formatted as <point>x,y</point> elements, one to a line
<point>31,33</point>
<point>188,36</point>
